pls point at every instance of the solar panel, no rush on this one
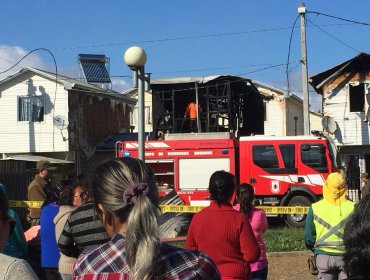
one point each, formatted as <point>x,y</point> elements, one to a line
<point>94,68</point>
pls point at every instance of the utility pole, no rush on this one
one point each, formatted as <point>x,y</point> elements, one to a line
<point>306,101</point>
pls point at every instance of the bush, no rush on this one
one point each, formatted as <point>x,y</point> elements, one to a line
<point>284,239</point>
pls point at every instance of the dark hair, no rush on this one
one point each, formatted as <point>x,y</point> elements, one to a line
<point>245,195</point>
<point>4,206</point>
<point>357,240</point>
<point>67,194</point>
<point>111,181</point>
<point>222,186</point>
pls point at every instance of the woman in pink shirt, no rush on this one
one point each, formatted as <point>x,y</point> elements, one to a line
<point>258,221</point>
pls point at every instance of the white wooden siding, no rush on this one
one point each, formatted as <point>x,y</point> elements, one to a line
<point>352,130</point>
<point>275,119</point>
<point>26,137</point>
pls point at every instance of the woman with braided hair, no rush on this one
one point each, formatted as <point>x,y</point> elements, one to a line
<point>223,233</point>
<point>127,203</point>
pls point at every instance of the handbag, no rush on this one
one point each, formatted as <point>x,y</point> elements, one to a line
<point>312,265</point>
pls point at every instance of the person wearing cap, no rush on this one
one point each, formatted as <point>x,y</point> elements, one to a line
<point>324,228</point>
<point>10,267</point>
<point>36,189</point>
<point>366,187</point>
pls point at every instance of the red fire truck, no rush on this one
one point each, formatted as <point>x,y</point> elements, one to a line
<point>284,171</point>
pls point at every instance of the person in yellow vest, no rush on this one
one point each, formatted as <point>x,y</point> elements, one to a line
<point>324,228</point>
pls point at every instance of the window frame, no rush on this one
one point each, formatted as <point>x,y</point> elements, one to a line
<point>31,116</point>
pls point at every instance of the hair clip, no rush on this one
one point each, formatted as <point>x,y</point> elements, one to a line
<point>131,194</point>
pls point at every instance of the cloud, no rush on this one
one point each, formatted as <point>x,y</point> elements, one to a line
<point>295,80</point>
<point>10,55</point>
<point>120,85</point>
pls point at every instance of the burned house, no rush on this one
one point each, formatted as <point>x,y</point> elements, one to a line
<point>228,104</point>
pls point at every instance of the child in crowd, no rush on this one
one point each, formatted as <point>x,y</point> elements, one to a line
<point>258,221</point>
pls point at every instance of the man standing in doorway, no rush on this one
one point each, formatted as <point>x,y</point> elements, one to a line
<point>191,110</point>
<point>36,189</point>
<point>366,187</point>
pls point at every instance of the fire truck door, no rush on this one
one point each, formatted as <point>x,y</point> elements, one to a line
<point>266,169</point>
<point>313,163</point>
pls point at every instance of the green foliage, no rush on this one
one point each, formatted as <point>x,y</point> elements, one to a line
<point>277,239</point>
<point>282,239</point>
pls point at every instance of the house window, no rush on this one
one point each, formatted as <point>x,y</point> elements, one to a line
<point>264,111</point>
<point>134,119</point>
<point>356,98</point>
<point>30,108</point>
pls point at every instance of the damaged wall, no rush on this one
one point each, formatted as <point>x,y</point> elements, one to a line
<point>94,117</point>
<point>343,106</point>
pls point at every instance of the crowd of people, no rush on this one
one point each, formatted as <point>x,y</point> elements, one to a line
<point>107,228</point>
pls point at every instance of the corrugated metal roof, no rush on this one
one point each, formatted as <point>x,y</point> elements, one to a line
<point>36,158</point>
<point>319,80</point>
<point>70,84</point>
<point>185,80</point>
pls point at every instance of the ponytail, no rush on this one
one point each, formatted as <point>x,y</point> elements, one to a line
<point>142,238</point>
<point>127,190</point>
<point>245,195</point>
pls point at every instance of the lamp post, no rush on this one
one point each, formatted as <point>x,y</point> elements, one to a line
<point>135,58</point>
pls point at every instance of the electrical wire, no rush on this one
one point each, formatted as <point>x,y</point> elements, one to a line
<point>339,18</point>
<point>288,58</point>
<point>327,33</point>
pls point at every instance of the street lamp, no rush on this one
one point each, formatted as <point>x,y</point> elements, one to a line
<point>135,58</point>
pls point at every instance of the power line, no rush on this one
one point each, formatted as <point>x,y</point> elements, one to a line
<point>288,58</point>
<point>339,18</point>
<point>180,38</point>
<point>340,41</point>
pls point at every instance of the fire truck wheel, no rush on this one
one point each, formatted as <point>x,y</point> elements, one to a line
<point>297,220</point>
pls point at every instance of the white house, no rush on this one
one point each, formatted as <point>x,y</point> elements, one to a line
<point>345,94</point>
<point>55,116</point>
<point>148,110</point>
<point>284,113</point>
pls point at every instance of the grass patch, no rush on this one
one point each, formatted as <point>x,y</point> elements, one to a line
<point>283,239</point>
<point>277,239</point>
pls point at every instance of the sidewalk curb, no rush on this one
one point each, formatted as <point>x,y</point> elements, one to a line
<point>289,253</point>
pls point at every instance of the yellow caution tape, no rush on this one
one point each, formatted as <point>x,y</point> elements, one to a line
<point>286,210</point>
<point>25,203</point>
<point>267,209</point>
<point>182,208</point>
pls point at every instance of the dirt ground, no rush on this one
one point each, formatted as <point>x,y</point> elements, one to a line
<point>289,266</point>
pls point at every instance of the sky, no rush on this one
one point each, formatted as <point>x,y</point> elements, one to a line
<point>247,38</point>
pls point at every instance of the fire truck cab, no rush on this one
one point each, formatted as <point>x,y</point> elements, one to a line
<point>284,171</point>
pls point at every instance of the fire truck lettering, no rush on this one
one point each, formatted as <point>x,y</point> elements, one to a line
<point>178,153</point>
<point>149,154</point>
<point>198,153</point>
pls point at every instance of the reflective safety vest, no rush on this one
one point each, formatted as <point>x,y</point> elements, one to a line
<point>329,221</point>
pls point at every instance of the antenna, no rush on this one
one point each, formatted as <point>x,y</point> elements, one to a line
<point>59,122</point>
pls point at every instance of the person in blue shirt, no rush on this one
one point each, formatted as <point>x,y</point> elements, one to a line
<point>49,249</point>
<point>16,244</point>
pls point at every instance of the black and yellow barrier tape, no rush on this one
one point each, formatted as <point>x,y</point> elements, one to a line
<point>182,208</point>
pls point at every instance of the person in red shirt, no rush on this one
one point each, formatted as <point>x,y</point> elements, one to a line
<point>223,233</point>
<point>191,111</point>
